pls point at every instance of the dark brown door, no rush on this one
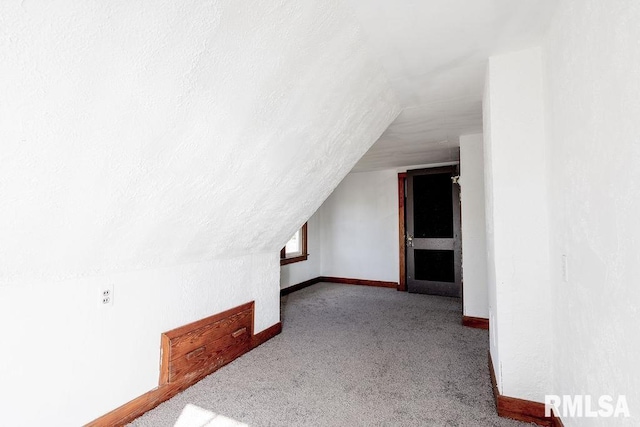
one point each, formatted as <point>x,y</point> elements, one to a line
<point>434,254</point>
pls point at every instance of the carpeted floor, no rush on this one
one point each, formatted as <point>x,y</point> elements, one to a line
<point>354,356</point>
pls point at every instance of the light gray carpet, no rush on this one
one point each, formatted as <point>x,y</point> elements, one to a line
<point>354,356</point>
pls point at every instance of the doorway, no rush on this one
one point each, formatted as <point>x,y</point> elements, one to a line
<point>432,237</point>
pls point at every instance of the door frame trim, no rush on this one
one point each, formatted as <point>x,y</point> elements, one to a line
<point>402,284</point>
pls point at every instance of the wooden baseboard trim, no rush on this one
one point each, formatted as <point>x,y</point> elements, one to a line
<point>138,406</point>
<point>301,285</point>
<point>143,404</point>
<point>361,282</point>
<point>342,280</point>
<point>475,322</point>
<point>520,409</point>
<point>557,422</point>
<point>266,335</point>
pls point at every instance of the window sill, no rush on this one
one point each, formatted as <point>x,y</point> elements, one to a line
<point>285,261</point>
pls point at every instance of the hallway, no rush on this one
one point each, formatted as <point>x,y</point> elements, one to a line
<point>358,356</point>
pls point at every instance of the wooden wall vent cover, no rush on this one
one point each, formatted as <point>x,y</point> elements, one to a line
<point>193,351</point>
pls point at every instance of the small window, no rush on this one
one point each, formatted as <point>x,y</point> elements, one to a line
<point>296,248</point>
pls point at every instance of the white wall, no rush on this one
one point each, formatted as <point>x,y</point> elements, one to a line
<point>360,227</point>
<point>593,89</point>
<point>517,224</point>
<point>354,234</point>
<point>494,326</point>
<point>159,148</point>
<point>298,272</point>
<point>67,361</point>
<point>474,246</point>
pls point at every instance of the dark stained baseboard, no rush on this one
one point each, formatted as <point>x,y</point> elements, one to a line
<point>557,422</point>
<point>520,409</point>
<point>142,404</point>
<point>266,335</point>
<point>361,282</point>
<point>341,280</point>
<point>475,322</point>
<point>138,406</point>
<point>299,286</point>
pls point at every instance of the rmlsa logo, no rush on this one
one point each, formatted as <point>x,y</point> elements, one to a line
<point>581,405</point>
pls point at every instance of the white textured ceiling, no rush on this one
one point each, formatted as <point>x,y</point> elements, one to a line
<point>435,53</point>
<point>137,135</point>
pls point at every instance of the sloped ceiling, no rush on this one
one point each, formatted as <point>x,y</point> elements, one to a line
<point>435,53</point>
<point>137,134</point>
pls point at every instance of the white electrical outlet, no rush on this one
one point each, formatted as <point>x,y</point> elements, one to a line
<point>105,296</point>
<point>565,268</point>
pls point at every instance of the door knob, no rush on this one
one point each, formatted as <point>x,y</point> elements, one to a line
<point>409,241</point>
